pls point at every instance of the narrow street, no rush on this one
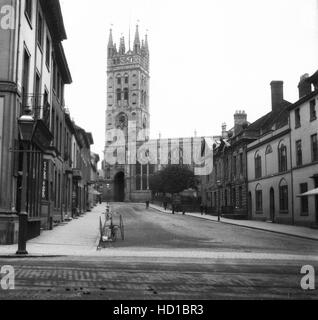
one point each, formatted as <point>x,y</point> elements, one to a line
<point>163,256</point>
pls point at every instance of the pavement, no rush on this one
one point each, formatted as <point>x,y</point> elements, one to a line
<point>296,231</point>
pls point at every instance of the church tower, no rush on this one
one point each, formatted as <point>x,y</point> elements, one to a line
<point>127,101</point>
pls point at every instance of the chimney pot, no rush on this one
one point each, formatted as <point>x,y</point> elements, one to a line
<point>277,94</point>
<point>304,86</point>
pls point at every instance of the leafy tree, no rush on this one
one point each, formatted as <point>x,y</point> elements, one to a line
<point>173,179</point>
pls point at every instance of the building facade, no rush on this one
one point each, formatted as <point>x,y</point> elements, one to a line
<point>304,151</point>
<point>35,129</point>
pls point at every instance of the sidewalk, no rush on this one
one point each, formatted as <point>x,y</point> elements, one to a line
<point>77,237</point>
<point>300,232</point>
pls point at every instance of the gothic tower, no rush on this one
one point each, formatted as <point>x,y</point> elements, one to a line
<point>127,100</point>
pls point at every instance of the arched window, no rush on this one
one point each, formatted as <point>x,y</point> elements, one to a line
<point>269,149</point>
<point>134,115</point>
<point>118,95</point>
<point>119,80</point>
<point>126,79</point>
<point>134,98</point>
<point>282,157</point>
<point>142,97</point>
<point>258,165</point>
<point>126,94</point>
<point>145,98</point>
<point>283,196</point>
<point>259,198</point>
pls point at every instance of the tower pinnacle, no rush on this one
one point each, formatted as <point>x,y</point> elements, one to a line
<point>137,40</point>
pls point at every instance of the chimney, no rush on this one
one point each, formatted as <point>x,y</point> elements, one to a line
<point>277,94</point>
<point>224,132</point>
<point>304,86</point>
<point>240,118</point>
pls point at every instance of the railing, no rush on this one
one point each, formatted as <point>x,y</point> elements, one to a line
<point>39,107</point>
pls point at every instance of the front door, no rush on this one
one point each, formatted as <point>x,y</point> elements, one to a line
<point>272,205</point>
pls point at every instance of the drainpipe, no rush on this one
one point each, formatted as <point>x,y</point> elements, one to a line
<point>18,42</point>
<point>291,172</point>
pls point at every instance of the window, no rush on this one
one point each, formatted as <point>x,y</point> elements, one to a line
<point>234,197</point>
<point>226,169</point>
<point>119,81</point>
<point>282,158</point>
<point>25,80</point>
<point>126,79</point>
<point>297,119</point>
<point>269,149</point>
<point>258,166</point>
<point>118,95</point>
<point>304,200</point>
<point>283,196</point>
<point>40,30</point>
<point>126,94</point>
<point>234,166</point>
<point>240,197</point>
<point>225,198</point>
<point>313,114</point>
<point>314,148</point>
<point>28,9</point>
<point>299,153</point>
<point>259,199</point>
<point>241,164</point>
<point>48,52</point>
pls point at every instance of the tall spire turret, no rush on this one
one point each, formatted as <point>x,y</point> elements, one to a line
<point>137,41</point>
<point>110,44</point>
<point>146,44</point>
<point>122,47</point>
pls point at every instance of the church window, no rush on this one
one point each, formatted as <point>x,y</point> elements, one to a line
<point>126,94</point>
<point>118,95</point>
<point>119,81</point>
<point>126,79</point>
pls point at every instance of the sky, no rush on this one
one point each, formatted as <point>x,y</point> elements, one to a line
<point>208,58</point>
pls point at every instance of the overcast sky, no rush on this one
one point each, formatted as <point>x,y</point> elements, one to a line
<point>209,58</point>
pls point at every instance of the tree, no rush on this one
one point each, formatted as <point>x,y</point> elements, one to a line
<point>173,179</point>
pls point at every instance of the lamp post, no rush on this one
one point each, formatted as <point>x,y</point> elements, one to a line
<point>219,200</point>
<point>26,129</point>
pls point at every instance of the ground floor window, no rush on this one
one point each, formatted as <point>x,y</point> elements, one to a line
<point>283,197</point>
<point>304,200</point>
<point>259,199</point>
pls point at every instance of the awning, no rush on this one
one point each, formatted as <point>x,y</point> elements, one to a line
<point>309,193</point>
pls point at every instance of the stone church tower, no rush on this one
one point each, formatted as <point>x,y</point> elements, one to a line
<point>127,101</point>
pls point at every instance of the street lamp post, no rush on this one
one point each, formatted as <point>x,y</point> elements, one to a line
<point>219,201</point>
<point>26,129</point>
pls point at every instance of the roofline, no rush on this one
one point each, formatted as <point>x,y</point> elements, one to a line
<point>62,63</point>
<point>53,13</point>
<point>303,100</point>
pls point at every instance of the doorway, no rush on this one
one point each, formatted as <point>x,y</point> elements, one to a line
<point>272,205</point>
<point>250,209</point>
<point>119,187</point>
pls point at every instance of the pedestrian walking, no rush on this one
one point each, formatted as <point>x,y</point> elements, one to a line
<point>206,210</point>
<point>147,204</point>
<point>165,205</point>
<point>201,209</point>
